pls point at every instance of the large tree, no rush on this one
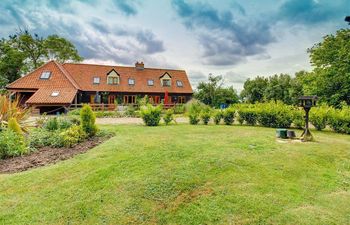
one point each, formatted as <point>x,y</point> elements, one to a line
<point>214,93</point>
<point>331,59</point>
<point>254,89</point>
<point>24,52</point>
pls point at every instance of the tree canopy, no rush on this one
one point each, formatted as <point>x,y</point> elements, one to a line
<point>213,92</point>
<point>24,52</point>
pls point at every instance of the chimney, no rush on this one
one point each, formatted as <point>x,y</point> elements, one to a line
<point>139,66</point>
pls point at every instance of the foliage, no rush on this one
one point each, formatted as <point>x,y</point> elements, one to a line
<point>40,137</point>
<point>168,116</point>
<point>298,118</point>
<point>12,144</point>
<point>275,114</point>
<point>51,124</point>
<point>254,89</point>
<point>130,111</point>
<point>339,120</point>
<point>73,135</point>
<point>179,109</point>
<point>151,114</point>
<point>14,126</point>
<point>248,113</point>
<point>107,114</point>
<point>332,68</point>
<point>206,114</point>
<point>12,109</point>
<point>319,116</point>
<point>217,116</point>
<point>213,93</point>
<point>64,122</point>
<point>74,112</point>
<point>87,120</point>
<point>194,108</point>
<point>229,115</point>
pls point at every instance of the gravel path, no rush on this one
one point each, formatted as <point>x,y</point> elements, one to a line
<point>129,120</point>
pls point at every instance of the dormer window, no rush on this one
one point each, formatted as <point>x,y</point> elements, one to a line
<point>45,75</point>
<point>131,81</point>
<point>165,80</point>
<point>96,80</point>
<point>55,93</point>
<point>113,77</point>
<point>179,83</point>
<point>150,82</point>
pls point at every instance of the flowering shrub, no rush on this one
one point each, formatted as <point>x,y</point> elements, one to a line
<point>151,114</point>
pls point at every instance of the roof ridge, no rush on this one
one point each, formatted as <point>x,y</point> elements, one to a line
<point>67,74</point>
<point>94,64</point>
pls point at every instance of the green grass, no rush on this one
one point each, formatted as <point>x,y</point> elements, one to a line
<point>184,174</point>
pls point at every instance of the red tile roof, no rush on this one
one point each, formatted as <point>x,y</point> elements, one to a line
<point>68,78</point>
<point>84,74</point>
<point>44,96</point>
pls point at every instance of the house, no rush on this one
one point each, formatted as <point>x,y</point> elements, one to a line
<point>56,87</point>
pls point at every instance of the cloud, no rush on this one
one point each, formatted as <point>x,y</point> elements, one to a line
<point>196,76</point>
<point>235,77</point>
<point>223,40</point>
<point>127,7</point>
<point>310,12</point>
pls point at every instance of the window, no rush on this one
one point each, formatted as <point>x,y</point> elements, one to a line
<point>55,93</point>
<point>179,83</point>
<point>166,82</point>
<point>150,82</point>
<point>181,99</point>
<point>96,80</point>
<point>129,99</point>
<point>131,81</point>
<point>45,75</point>
<point>113,80</point>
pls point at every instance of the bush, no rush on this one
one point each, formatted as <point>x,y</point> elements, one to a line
<point>249,114</point>
<point>206,114</point>
<point>51,124</point>
<point>275,114</point>
<point>194,108</point>
<point>64,123</point>
<point>298,118</point>
<point>14,126</point>
<point>217,116</point>
<point>151,114</point>
<point>12,144</point>
<point>339,120</point>
<point>87,120</point>
<point>318,116</point>
<point>168,116</point>
<point>130,111</point>
<point>39,138</point>
<point>74,112</point>
<point>73,135</point>
<point>179,109</point>
<point>229,116</point>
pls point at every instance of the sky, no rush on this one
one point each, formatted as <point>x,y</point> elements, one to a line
<point>238,39</point>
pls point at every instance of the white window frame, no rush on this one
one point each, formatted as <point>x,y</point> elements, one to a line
<point>179,83</point>
<point>166,80</point>
<point>96,80</point>
<point>45,75</point>
<point>150,82</point>
<point>133,81</point>
<point>55,94</point>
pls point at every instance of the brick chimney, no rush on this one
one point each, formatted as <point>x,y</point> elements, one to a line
<point>139,65</point>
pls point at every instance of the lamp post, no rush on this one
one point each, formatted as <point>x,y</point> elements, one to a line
<point>307,102</point>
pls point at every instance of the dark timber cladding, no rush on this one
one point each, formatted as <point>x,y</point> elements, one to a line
<point>55,84</point>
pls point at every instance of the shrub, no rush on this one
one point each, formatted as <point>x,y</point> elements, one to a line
<point>41,121</point>
<point>318,116</point>
<point>179,109</point>
<point>12,144</point>
<point>168,116</point>
<point>274,114</point>
<point>298,118</point>
<point>194,108</point>
<point>87,120</point>
<point>74,112</point>
<point>40,137</point>
<point>51,124</point>
<point>217,116</point>
<point>151,114</point>
<point>248,114</point>
<point>229,116</point>
<point>64,123</point>
<point>130,111</point>
<point>73,135</point>
<point>14,126</point>
<point>206,114</point>
<point>339,120</point>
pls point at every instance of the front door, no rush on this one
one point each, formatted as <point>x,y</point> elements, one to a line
<point>111,99</point>
<point>92,99</point>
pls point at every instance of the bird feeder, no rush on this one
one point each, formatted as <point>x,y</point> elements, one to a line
<point>307,102</point>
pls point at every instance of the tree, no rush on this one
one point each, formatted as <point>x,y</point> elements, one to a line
<point>11,62</point>
<point>254,89</point>
<point>331,59</point>
<point>278,88</point>
<point>214,94</point>
<point>61,50</point>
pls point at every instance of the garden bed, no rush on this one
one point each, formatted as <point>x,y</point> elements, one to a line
<point>47,155</point>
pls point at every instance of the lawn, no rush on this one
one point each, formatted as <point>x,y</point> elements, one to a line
<point>184,174</point>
